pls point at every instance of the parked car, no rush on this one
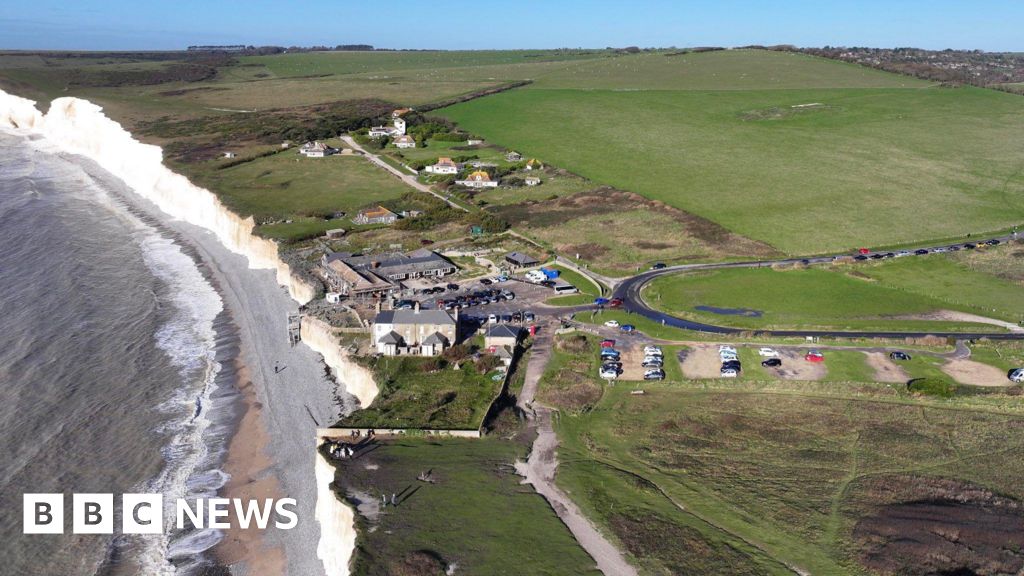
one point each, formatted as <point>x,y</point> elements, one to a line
<point>535,276</point>
<point>658,266</point>
<point>627,328</point>
<point>404,305</point>
<point>608,343</point>
<point>1016,375</point>
<point>992,242</point>
<point>492,318</point>
<point>814,356</point>
<point>501,278</point>
<point>899,355</point>
<point>615,302</point>
<point>453,287</point>
<point>726,347</point>
<point>863,251</point>
<point>506,318</point>
<point>727,354</point>
<point>612,323</point>
<point>969,246</point>
<point>729,373</point>
<point>654,375</point>
<point>768,353</point>
<point>903,253</point>
<point>527,316</point>
<point>860,257</point>
<point>877,256</point>
<point>609,374</point>
<point>611,364</point>
<point>921,251</point>
<point>486,281</point>
<point>652,351</point>
<point>954,248</point>
<point>601,301</point>
<point>772,363</point>
<point>939,250</point>
<point>734,364</point>
<point>609,352</point>
<point>652,364</point>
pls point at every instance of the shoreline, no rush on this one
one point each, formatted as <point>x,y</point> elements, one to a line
<point>273,447</point>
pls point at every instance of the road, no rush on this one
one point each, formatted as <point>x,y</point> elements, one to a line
<point>629,290</point>
<point>405,177</point>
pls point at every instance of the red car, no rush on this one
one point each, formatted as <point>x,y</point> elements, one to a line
<point>814,356</point>
<point>615,302</point>
<point>864,251</point>
<point>608,343</point>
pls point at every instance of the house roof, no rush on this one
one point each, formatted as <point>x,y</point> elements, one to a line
<point>390,338</point>
<point>405,138</point>
<point>502,331</point>
<point>377,212</point>
<point>393,262</point>
<point>479,176</point>
<point>442,161</point>
<point>521,259</point>
<point>435,339</point>
<point>401,111</point>
<point>502,352</point>
<point>406,317</point>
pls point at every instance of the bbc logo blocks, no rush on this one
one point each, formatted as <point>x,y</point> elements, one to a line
<point>93,514</point>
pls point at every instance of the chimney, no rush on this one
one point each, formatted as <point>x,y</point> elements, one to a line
<point>377,306</point>
<point>416,307</point>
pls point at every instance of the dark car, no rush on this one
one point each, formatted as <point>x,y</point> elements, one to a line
<point>732,364</point>
<point>899,355</point>
<point>860,257</point>
<point>486,281</point>
<point>658,266</point>
<point>992,242</point>
<point>805,261</point>
<point>652,364</point>
<point>954,248</point>
<point>772,363</point>
<point>921,251</point>
<point>517,316</point>
<point>453,287</point>
<point>528,317</point>
<point>426,242</point>
<point>611,365</point>
<point>506,318</point>
<point>547,283</point>
<point>654,375</point>
<point>877,256</point>
<point>615,302</point>
<point>969,246</point>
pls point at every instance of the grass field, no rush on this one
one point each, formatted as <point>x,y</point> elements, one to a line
<point>883,159</point>
<point>414,394</point>
<point>475,515</point>
<point>748,479</point>
<point>903,294</point>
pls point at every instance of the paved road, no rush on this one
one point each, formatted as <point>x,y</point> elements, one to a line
<point>629,291</point>
<point>404,176</point>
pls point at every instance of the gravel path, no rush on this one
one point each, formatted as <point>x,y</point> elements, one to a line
<point>539,470</point>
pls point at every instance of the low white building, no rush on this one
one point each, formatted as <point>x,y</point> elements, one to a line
<point>316,150</point>
<point>478,179</point>
<point>531,180</point>
<point>443,166</point>
<point>414,332</point>
<point>405,141</point>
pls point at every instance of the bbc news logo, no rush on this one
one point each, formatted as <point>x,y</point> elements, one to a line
<point>144,513</point>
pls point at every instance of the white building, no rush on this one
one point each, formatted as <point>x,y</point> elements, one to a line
<point>478,179</point>
<point>414,332</point>
<point>316,150</point>
<point>443,166</point>
<point>405,141</point>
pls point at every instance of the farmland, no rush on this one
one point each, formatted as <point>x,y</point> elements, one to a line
<point>807,162</point>
<point>900,294</point>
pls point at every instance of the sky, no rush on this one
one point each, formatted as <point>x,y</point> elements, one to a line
<point>992,25</point>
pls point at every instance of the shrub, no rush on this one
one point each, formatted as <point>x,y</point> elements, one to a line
<point>932,387</point>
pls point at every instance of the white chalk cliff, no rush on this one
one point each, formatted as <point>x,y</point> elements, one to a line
<point>80,127</point>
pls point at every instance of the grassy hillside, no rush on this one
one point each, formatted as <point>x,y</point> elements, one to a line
<point>804,154</point>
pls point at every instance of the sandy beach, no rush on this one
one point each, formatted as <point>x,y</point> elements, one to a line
<point>273,451</point>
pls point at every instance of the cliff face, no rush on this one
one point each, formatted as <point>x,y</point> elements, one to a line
<point>80,127</point>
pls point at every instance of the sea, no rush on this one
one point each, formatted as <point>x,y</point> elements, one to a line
<point>117,361</point>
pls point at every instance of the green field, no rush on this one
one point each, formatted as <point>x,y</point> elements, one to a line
<point>475,515</point>
<point>895,295</point>
<point>879,159</point>
<point>748,479</point>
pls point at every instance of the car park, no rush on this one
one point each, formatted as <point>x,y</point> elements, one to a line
<point>772,363</point>
<point>1016,375</point>
<point>654,375</point>
<point>768,353</point>
<point>897,355</point>
<point>612,323</point>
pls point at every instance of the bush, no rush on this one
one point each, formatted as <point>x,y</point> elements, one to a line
<point>486,363</point>
<point>932,387</point>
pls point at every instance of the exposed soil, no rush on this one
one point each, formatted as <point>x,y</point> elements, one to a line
<point>939,526</point>
<point>794,367</point>
<point>885,369</point>
<point>975,373</point>
<point>632,357</point>
<point>702,361</point>
<point>953,316</point>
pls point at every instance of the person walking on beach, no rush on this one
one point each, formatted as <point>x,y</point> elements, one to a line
<point>277,369</point>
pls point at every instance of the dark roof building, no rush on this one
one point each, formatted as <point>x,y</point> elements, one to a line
<point>396,266</point>
<point>520,260</point>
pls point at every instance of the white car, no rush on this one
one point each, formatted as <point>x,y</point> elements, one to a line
<point>1017,375</point>
<point>535,276</point>
<point>726,355</point>
<point>652,351</point>
<point>727,348</point>
<point>729,373</point>
<point>492,319</point>
<point>609,374</point>
<point>612,323</point>
<point>768,353</point>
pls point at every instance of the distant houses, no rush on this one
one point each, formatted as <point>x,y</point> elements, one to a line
<point>405,141</point>
<point>414,332</point>
<point>443,166</point>
<point>375,215</point>
<point>478,179</point>
<point>531,180</point>
<point>396,129</point>
<point>316,150</point>
<point>513,156</point>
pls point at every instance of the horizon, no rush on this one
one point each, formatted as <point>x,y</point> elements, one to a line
<point>118,25</point>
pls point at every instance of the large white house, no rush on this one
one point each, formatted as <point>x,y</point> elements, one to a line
<point>443,166</point>
<point>396,129</point>
<point>316,150</point>
<point>405,141</point>
<point>414,332</point>
<point>478,179</point>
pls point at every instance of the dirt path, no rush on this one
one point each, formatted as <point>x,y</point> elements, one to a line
<point>953,316</point>
<point>885,369</point>
<point>539,470</point>
<point>975,373</point>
